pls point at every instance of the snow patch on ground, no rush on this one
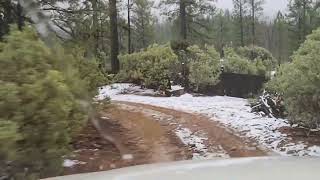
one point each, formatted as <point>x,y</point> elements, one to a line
<point>128,88</point>
<point>71,163</point>
<point>196,142</point>
<point>123,88</point>
<point>111,90</point>
<point>127,156</point>
<point>176,88</point>
<point>231,112</point>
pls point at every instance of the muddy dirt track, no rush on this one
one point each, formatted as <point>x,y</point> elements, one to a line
<point>152,135</point>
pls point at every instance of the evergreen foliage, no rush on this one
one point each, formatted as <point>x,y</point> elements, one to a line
<point>258,54</point>
<point>43,104</point>
<point>204,67</point>
<point>233,63</point>
<point>143,21</point>
<point>299,83</point>
<point>150,67</point>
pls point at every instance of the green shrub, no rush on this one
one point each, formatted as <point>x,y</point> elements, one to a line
<point>234,63</point>
<point>261,69</point>
<point>258,53</point>
<point>204,68</point>
<point>90,72</point>
<point>239,62</point>
<point>299,83</point>
<point>150,67</point>
<point>179,45</point>
<point>43,104</point>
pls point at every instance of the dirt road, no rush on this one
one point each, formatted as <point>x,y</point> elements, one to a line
<point>152,135</point>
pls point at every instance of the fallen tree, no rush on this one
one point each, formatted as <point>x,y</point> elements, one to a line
<point>269,105</point>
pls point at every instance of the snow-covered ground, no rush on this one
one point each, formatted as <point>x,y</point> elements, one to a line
<point>231,112</point>
<point>71,163</point>
<point>196,141</point>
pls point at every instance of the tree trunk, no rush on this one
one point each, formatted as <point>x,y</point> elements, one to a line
<point>129,28</point>
<point>253,22</point>
<point>95,38</point>
<point>221,39</point>
<point>183,20</point>
<point>280,44</point>
<point>241,23</point>
<point>143,33</point>
<point>20,21</point>
<point>115,66</point>
<point>8,16</point>
<point>304,24</point>
<point>2,24</point>
<point>300,22</point>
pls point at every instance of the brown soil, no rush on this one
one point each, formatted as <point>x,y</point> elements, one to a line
<point>300,134</point>
<point>234,145</point>
<point>148,133</point>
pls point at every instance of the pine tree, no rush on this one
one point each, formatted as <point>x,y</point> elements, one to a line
<point>299,17</point>
<point>256,8</point>
<point>240,11</point>
<point>299,83</point>
<point>114,50</point>
<point>41,105</point>
<point>222,23</point>
<point>281,39</point>
<point>190,15</point>
<point>129,8</point>
<point>20,16</point>
<point>143,22</point>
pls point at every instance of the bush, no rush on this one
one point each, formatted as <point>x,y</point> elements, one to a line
<point>234,63</point>
<point>43,104</point>
<point>258,53</point>
<point>261,69</point>
<point>150,67</point>
<point>239,62</point>
<point>204,67</point>
<point>90,72</point>
<point>299,83</point>
<point>179,45</point>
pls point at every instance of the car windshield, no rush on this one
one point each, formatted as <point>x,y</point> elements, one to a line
<point>97,85</point>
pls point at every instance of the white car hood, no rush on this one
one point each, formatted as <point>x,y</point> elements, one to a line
<point>265,168</point>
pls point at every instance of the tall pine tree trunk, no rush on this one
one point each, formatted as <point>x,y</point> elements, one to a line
<point>253,28</point>
<point>280,42</point>
<point>304,19</point>
<point>95,38</point>
<point>129,28</point>
<point>241,23</point>
<point>144,44</point>
<point>183,20</point>
<point>115,66</point>
<point>1,28</point>
<point>300,24</point>
<point>20,16</point>
<point>221,39</point>
<point>8,15</point>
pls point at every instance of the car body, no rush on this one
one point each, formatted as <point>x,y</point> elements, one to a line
<point>257,168</point>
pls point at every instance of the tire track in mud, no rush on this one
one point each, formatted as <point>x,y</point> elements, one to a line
<point>207,138</point>
<point>153,135</point>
